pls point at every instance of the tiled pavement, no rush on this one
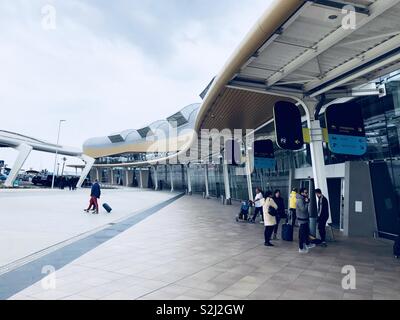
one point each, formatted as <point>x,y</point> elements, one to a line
<point>193,249</point>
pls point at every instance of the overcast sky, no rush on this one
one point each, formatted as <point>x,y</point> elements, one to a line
<point>109,65</point>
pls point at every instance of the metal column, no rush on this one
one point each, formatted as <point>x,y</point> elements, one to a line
<point>248,177</point>
<point>155,178</point>
<point>317,151</point>
<point>228,200</point>
<point>171,178</point>
<point>189,180</point>
<point>207,194</point>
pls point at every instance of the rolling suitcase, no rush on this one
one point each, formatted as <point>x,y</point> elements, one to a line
<point>396,248</point>
<point>287,232</point>
<point>107,207</point>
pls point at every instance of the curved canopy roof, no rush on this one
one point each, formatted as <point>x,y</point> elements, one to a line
<point>301,49</point>
<point>153,138</point>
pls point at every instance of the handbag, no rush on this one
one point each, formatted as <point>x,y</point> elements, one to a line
<point>272,211</point>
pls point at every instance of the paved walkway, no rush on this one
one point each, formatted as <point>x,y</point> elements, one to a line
<point>193,249</point>
<point>32,220</point>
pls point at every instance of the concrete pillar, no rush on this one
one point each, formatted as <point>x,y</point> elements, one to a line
<point>228,197</point>
<point>24,151</point>
<point>171,178</point>
<point>317,150</point>
<point>206,181</point>
<point>155,178</point>
<point>89,162</point>
<point>189,180</point>
<point>97,174</point>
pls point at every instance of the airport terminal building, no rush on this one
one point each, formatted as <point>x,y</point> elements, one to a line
<point>302,53</point>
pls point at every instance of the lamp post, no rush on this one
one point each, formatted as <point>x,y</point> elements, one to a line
<point>55,158</point>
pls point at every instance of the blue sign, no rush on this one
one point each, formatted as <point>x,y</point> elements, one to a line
<point>264,163</point>
<point>346,130</point>
<point>351,145</point>
<point>264,157</point>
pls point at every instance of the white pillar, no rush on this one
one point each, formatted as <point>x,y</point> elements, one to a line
<point>97,174</point>
<point>141,179</point>
<point>127,177</point>
<point>112,176</point>
<point>24,151</point>
<point>226,184</point>
<point>189,180</point>
<point>248,177</point>
<point>171,178</point>
<point>206,181</point>
<point>317,151</point>
<point>89,162</point>
<point>155,178</point>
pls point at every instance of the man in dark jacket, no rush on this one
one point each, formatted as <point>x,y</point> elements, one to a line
<point>280,211</point>
<point>95,194</point>
<point>323,215</point>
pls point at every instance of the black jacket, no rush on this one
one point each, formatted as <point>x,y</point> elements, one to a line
<point>323,208</point>
<point>281,206</point>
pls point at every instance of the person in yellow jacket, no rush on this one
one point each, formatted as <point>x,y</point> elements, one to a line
<point>292,205</point>
<point>269,220</point>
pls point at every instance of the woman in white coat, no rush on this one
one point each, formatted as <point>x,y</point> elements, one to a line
<point>269,220</point>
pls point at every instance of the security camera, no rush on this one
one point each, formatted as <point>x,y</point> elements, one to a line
<point>382,90</point>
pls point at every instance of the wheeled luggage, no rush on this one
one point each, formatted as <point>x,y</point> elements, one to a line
<point>107,207</point>
<point>287,232</point>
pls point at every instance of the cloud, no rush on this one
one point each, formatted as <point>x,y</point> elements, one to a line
<point>110,66</point>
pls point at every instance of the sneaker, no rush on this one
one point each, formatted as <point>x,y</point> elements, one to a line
<point>269,245</point>
<point>275,237</point>
<point>86,210</point>
<point>324,245</point>
<point>311,246</point>
<point>303,250</point>
<point>261,222</point>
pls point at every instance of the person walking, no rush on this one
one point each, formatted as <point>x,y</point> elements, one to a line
<point>258,204</point>
<point>95,193</point>
<point>323,215</point>
<point>269,211</point>
<point>292,206</point>
<point>280,212</point>
<point>303,216</point>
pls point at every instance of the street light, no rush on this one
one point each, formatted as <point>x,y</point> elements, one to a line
<point>55,158</point>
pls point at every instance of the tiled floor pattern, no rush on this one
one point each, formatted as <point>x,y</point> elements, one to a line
<point>193,249</point>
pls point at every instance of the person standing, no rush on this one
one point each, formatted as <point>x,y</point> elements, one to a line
<point>292,205</point>
<point>280,212</point>
<point>323,215</point>
<point>258,204</point>
<point>95,193</point>
<point>269,219</point>
<point>303,216</point>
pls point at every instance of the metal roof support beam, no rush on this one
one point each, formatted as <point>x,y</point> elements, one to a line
<point>358,74</point>
<point>340,4</point>
<point>376,9</point>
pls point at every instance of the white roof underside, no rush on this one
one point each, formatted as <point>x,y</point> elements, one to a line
<point>312,50</point>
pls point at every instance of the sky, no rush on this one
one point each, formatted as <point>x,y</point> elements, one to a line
<point>106,66</point>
